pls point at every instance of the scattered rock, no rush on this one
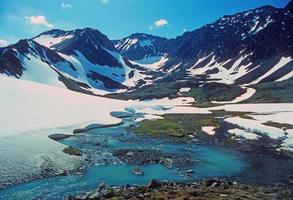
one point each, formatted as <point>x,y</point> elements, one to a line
<point>130,153</point>
<point>82,197</point>
<point>95,196</point>
<point>72,151</point>
<point>79,130</point>
<point>58,137</point>
<point>197,190</point>
<point>154,184</point>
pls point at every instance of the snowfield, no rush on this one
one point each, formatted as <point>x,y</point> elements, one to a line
<point>32,111</point>
<point>28,106</point>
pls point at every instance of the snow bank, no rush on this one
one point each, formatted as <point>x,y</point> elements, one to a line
<point>187,89</point>
<point>27,106</point>
<point>244,133</point>
<point>280,117</point>
<point>148,117</point>
<point>30,112</point>
<point>256,126</point>
<point>208,129</point>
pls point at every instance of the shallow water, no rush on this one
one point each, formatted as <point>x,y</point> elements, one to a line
<point>104,167</point>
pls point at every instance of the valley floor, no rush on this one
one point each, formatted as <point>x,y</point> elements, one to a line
<point>31,112</point>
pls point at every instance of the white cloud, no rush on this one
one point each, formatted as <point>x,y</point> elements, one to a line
<point>161,22</point>
<point>39,20</point>
<point>3,43</point>
<point>105,1</point>
<point>66,5</point>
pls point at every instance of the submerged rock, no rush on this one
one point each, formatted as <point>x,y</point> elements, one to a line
<point>58,136</point>
<point>72,151</point>
<point>138,171</point>
<point>144,156</point>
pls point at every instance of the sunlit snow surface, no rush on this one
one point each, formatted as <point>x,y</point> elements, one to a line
<point>51,40</point>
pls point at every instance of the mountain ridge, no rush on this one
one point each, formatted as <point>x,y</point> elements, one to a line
<point>235,49</point>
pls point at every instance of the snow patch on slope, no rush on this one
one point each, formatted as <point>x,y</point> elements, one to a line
<point>50,40</point>
<point>38,71</point>
<point>152,63</point>
<point>282,62</point>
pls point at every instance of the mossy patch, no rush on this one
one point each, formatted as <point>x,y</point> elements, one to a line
<point>224,113</point>
<point>279,125</point>
<point>161,127</point>
<point>177,125</point>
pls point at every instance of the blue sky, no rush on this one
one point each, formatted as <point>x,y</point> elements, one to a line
<point>116,18</point>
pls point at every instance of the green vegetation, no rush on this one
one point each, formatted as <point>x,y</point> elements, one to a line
<point>161,127</point>
<point>178,125</point>
<point>203,94</point>
<point>273,92</point>
<point>215,92</point>
<point>156,91</point>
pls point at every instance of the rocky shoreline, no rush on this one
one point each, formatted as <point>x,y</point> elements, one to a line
<point>202,189</point>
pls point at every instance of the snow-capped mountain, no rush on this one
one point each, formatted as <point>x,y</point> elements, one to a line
<point>245,48</point>
<point>29,60</point>
<point>143,48</point>
<point>86,57</point>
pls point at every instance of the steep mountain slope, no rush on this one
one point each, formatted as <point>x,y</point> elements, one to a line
<point>141,47</point>
<point>95,57</point>
<point>82,58</point>
<point>30,61</point>
<point>248,47</point>
<point>148,51</point>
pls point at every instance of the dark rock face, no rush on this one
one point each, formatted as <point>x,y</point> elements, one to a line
<point>228,39</point>
<point>247,33</point>
<point>11,57</point>
<point>94,45</point>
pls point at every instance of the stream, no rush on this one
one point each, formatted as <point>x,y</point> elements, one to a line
<point>102,166</point>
